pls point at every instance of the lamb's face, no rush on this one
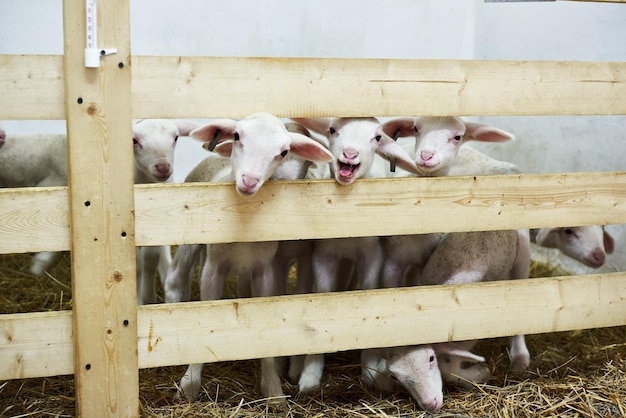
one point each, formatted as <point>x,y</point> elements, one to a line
<point>259,145</point>
<point>353,143</point>
<point>154,143</point>
<point>416,369</point>
<point>437,143</point>
<point>585,243</point>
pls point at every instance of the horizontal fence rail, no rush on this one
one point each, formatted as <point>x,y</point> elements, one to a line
<point>194,87</point>
<point>37,220</point>
<point>40,344</point>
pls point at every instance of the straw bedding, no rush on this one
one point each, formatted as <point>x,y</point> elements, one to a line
<point>572,374</point>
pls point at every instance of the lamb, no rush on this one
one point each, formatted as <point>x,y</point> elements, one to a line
<point>357,144</point>
<point>178,280</point>
<point>438,152</point>
<point>439,139</point>
<point>154,142</point>
<point>256,146</point>
<point>41,160</point>
<point>33,161</point>
<point>471,257</point>
<point>414,251</point>
<point>422,369</point>
<point>587,244</point>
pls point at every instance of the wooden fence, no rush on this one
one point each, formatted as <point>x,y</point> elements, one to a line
<point>101,216</point>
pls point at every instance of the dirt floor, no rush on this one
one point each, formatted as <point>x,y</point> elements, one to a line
<point>572,374</point>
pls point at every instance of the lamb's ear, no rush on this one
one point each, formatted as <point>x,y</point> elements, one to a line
<point>486,133</point>
<point>392,151</point>
<point>309,149</point>
<point>609,244</point>
<point>398,128</point>
<point>297,128</point>
<point>543,235</point>
<point>185,127</point>
<point>224,148</point>
<point>468,355</point>
<point>319,125</point>
<point>215,132</point>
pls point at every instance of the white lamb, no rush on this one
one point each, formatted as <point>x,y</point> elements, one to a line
<point>256,146</point>
<point>438,152</point>
<point>178,280</point>
<point>422,369</point>
<point>41,160</point>
<point>587,244</point>
<point>471,257</point>
<point>357,145</point>
<point>439,139</point>
<point>154,142</point>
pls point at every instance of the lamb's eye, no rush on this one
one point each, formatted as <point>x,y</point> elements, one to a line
<point>458,137</point>
<point>284,153</point>
<point>377,138</point>
<point>569,231</point>
<point>394,377</point>
<point>236,136</point>
<point>332,130</point>
<point>431,359</point>
<point>135,142</point>
<point>176,139</point>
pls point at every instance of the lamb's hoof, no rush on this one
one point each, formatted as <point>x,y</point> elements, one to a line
<point>308,384</point>
<point>520,363</point>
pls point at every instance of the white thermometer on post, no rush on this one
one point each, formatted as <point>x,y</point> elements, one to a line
<point>92,52</point>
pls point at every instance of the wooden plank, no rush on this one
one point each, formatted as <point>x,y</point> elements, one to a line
<point>169,334</point>
<point>34,219</point>
<point>186,87</point>
<point>100,161</point>
<point>212,213</point>
<point>36,345</point>
<point>206,213</point>
<point>32,87</point>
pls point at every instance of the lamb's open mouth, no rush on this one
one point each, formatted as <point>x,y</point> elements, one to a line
<point>346,171</point>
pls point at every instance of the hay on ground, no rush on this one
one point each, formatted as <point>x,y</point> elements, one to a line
<point>572,374</point>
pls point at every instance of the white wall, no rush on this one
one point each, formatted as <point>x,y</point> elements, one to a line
<point>376,29</point>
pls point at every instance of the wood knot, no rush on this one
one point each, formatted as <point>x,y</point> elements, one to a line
<point>92,109</point>
<point>117,276</point>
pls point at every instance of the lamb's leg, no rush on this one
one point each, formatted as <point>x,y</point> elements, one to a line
<point>263,284</point>
<point>42,262</point>
<point>191,382</point>
<point>520,356</point>
<point>392,273</point>
<point>311,375</point>
<point>165,260</point>
<point>368,267</point>
<point>211,287</point>
<point>325,267</point>
<point>147,265</point>
<point>177,286</point>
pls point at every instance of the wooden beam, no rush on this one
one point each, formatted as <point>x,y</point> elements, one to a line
<point>169,334</point>
<point>100,162</point>
<point>211,213</point>
<point>190,87</point>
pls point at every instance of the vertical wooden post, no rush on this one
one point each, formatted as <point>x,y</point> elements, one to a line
<point>100,155</point>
